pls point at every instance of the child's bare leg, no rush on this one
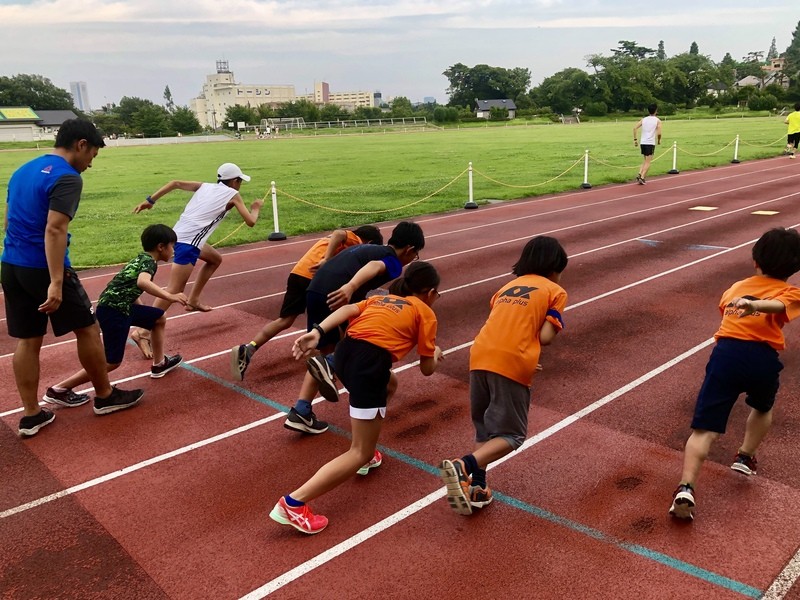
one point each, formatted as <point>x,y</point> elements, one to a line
<point>178,277</point>
<point>487,452</point>
<point>758,424</point>
<point>80,378</point>
<point>695,454</point>
<point>211,262</point>
<point>391,387</point>
<point>157,339</point>
<point>344,466</point>
<point>273,328</point>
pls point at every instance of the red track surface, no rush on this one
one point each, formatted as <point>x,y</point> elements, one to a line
<point>581,510</point>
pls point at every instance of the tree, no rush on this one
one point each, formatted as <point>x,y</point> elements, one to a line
<point>661,54</point>
<point>128,106</point>
<point>485,83</point>
<point>632,50</point>
<point>332,112</point>
<point>367,112</point>
<point>240,114</point>
<point>773,50</point>
<point>792,67</point>
<point>168,101</point>
<point>401,107</point>
<point>152,121</point>
<point>565,90</point>
<point>694,48</point>
<point>184,121</point>
<point>35,91</point>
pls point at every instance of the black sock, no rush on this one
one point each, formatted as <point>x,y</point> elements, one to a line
<point>479,477</point>
<point>470,464</point>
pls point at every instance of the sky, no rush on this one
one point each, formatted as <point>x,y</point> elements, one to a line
<point>138,47</point>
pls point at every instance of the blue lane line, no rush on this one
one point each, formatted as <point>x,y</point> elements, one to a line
<point>663,559</point>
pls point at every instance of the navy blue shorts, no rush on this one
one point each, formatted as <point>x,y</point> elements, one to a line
<point>736,367</point>
<point>294,300</point>
<point>115,327</point>
<point>316,311</point>
<point>185,254</point>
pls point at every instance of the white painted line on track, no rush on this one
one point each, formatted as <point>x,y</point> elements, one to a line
<point>785,580</point>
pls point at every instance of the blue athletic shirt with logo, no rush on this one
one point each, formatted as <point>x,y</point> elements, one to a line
<point>37,187</point>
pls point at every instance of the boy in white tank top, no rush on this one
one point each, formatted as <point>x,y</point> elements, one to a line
<point>651,135</point>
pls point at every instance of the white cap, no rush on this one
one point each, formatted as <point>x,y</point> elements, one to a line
<point>230,171</point>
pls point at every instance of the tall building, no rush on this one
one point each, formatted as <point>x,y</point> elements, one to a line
<point>80,94</point>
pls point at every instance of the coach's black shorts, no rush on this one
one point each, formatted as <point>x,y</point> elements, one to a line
<point>364,369</point>
<point>294,300</point>
<point>25,289</point>
<point>736,367</point>
<point>647,149</point>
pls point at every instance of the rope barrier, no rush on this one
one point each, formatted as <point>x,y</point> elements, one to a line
<point>779,140</point>
<point>710,153</point>
<point>374,212</point>
<point>577,162</point>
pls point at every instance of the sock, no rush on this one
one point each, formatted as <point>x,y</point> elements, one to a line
<point>470,463</point>
<point>254,345</point>
<point>59,389</point>
<point>479,477</point>
<point>303,407</point>
<point>292,502</point>
<point>687,484</point>
<point>329,359</point>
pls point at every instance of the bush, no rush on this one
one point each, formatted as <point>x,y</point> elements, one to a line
<point>666,108</point>
<point>596,109</point>
<point>762,102</point>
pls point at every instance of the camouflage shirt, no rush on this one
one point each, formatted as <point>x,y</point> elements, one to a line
<point>122,291</point>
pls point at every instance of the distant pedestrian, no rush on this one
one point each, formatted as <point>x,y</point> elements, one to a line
<point>525,315</point>
<point>651,135</point>
<point>744,361</point>
<point>793,133</point>
<point>38,280</point>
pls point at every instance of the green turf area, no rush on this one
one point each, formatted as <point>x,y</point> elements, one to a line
<point>377,173</point>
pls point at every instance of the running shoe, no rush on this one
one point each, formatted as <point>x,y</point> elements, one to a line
<point>118,400</point>
<point>321,371</point>
<point>66,398</point>
<point>375,461</point>
<point>480,496</point>
<point>309,424</point>
<point>31,425</point>
<point>683,502</point>
<point>639,179</point>
<point>300,517</point>
<point>169,363</point>
<point>240,360</point>
<point>744,464</point>
<point>456,480</point>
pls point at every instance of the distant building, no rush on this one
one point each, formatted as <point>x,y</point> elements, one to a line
<point>22,124</point>
<point>80,94</point>
<point>483,108</point>
<point>221,91</point>
<point>773,75</point>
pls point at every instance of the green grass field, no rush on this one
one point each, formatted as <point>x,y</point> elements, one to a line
<point>375,174</point>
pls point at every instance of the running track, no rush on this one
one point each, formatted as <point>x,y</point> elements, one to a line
<point>170,499</point>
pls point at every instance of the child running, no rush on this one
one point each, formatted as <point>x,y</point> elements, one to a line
<point>382,330</point>
<point>204,212</point>
<point>744,360</point>
<point>347,277</point>
<point>793,131</point>
<point>525,315</point>
<point>118,309</point>
<point>294,300</point>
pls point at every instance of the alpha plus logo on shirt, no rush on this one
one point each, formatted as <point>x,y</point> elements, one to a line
<point>393,304</point>
<point>516,295</point>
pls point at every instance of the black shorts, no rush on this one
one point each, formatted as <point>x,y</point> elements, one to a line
<point>364,369</point>
<point>294,300</point>
<point>316,311</point>
<point>793,139</point>
<point>115,327</point>
<point>736,367</point>
<point>647,149</point>
<point>25,289</point>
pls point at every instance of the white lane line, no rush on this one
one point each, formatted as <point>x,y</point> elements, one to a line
<point>785,580</point>
<point>362,536</point>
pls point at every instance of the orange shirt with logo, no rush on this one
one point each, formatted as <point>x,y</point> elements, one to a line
<point>317,252</point>
<point>758,327</point>
<point>396,324</point>
<point>508,343</point>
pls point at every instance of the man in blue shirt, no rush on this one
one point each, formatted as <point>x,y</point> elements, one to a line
<point>38,281</point>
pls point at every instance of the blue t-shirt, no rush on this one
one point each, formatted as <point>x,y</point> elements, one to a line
<point>37,187</point>
<point>342,267</point>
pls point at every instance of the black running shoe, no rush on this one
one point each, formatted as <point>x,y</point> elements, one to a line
<point>170,362</point>
<point>118,400</point>
<point>66,398</point>
<point>309,424</point>
<point>322,373</point>
<point>29,426</point>
<point>240,360</point>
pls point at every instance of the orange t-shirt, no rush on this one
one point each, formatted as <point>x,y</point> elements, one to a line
<point>508,344</point>
<point>317,252</point>
<point>396,324</point>
<point>758,327</point>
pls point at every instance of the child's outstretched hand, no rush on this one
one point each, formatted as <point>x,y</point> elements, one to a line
<point>438,355</point>
<point>305,344</point>
<point>179,298</point>
<point>744,306</point>
<point>143,206</point>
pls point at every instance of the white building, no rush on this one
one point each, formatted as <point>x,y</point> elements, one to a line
<point>80,94</point>
<point>221,91</point>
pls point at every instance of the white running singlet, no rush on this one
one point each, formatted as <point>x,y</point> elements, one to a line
<point>203,213</point>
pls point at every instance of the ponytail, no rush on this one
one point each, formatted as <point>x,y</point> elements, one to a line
<point>419,277</point>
